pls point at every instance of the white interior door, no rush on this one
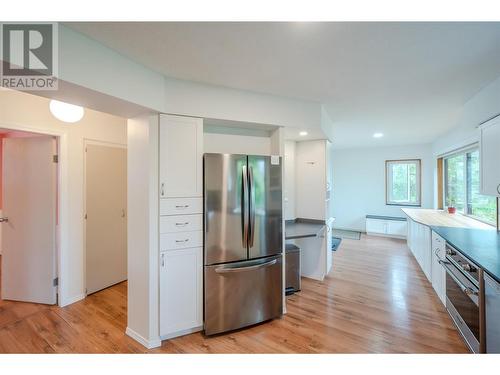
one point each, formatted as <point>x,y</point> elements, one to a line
<point>106,213</point>
<point>29,203</point>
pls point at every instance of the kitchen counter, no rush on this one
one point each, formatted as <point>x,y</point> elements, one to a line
<point>482,246</point>
<point>476,240</point>
<point>303,228</point>
<point>443,219</point>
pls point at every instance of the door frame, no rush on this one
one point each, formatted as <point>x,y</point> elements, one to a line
<point>62,239</point>
<point>90,141</point>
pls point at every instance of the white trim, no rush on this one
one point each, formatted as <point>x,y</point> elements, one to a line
<point>70,300</point>
<point>181,333</point>
<point>460,150</point>
<point>62,229</point>
<point>148,344</point>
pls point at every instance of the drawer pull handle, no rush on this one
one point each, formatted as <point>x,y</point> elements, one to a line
<point>182,241</point>
<point>182,206</point>
<point>498,188</point>
<point>162,189</point>
<point>181,224</point>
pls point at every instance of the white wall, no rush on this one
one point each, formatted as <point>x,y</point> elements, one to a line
<point>143,249</point>
<point>289,180</point>
<point>359,182</point>
<point>482,106</point>
<point>310,177</point>
<point>236,144</point>
<point>89,64</point>
<point>32,112</point>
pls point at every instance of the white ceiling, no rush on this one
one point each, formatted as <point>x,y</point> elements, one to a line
<point>406,80</point>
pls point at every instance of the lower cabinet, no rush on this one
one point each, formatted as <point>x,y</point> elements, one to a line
<point>438,272</point>
<point>386,227</point>
<point>419,242</point>
<point>429,248</point>
<point>181,291</point>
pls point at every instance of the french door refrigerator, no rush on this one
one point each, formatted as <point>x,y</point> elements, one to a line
<point>243,241</point>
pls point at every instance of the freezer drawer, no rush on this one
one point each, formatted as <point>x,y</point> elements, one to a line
<point>240,294</point>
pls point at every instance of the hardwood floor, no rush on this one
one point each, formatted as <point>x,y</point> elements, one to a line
<point>375,300</point>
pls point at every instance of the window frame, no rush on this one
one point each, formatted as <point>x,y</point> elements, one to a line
<point>388,202</point>
<point>463,151</point>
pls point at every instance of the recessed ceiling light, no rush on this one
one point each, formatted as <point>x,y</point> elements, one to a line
<point>378,135</point>
<point>302,134</point>
<point>66,112</point>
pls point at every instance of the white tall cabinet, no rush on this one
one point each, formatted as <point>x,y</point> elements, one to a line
<point>180,225</point>
<point>490,156</point>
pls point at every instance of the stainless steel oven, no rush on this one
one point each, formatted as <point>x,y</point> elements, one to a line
<point>465,297</point>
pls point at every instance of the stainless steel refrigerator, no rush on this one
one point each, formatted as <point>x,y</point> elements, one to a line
<point>243,240</point>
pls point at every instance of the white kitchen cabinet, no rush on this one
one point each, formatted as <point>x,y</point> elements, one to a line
<point>181,292</point>
<point>490,157</point>
<point>181,156</point>
<point>181,206</point>
<point>438,272</point>
<point>419,242</point>
<point>389,227</point>
<point>181,225</point>
<point>180,240</point>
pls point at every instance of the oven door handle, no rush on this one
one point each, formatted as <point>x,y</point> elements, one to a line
<point>465,289</point>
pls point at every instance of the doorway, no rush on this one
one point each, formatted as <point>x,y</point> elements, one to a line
<point>29,217</point>
<point>105,215</point>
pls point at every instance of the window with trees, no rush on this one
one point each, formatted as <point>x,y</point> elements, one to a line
<point>462,189</point>
<point>403,182</point>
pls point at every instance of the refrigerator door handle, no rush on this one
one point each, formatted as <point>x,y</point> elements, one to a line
<point>252,207</point>
<point>248,268</point>
<point>244,206</point>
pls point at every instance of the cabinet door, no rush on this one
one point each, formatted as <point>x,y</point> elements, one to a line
<point>376,226</point>
<point>490,155</point>
<point>438,273</point>
<point>426,251</point>
<point>181,308</point>
<point>181,154</point>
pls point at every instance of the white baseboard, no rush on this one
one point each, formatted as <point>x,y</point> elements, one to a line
<point>181,333</point>
<point>148,344</point>
<point>68,301</point>
<point>386,235</point>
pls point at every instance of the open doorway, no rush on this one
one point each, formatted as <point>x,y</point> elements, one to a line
<point>28,244</point>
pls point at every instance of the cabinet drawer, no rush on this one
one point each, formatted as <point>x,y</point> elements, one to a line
<point>438,245</point>
<point>181,223</point>
<point>181,206</point>
<point>181,240</point>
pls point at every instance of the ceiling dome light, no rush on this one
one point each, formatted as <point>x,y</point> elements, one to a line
<point>66,112</point>
<point>378,135</point>
<point>303,134</point>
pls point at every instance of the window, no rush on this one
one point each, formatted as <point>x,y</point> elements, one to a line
<point>403,182</point>
<point>461,186</point>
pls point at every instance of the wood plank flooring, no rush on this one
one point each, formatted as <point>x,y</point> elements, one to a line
<point>375,300</point>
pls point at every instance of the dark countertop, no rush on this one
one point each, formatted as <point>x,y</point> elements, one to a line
<point>479,245</point>
<point>302,229</point>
